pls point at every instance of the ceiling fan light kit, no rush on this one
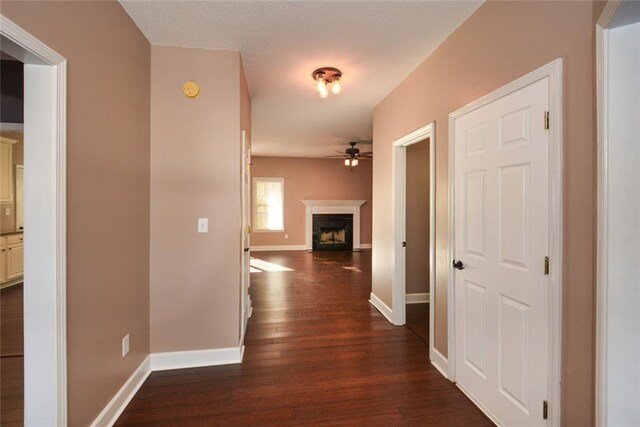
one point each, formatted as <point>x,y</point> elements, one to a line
<point>327,76</point>
<point>352,155</point>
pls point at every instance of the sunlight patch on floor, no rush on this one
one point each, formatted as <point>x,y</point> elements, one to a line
<point>259,266</point>
<point>356,269</point>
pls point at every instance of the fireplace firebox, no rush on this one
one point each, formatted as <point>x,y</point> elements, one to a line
<point>332,232</point>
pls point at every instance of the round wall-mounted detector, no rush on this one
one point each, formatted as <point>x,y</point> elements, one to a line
<point>191,90</point>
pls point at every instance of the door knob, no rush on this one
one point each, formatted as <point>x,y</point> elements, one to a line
<point>458,265</point>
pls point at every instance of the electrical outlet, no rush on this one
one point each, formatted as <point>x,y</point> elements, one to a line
<point>125,345</point>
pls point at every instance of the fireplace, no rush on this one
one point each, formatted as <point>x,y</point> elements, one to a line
<point>332,232</point>
<point>350,208</point>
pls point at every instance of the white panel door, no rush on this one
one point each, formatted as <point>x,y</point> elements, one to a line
<point>501,237</point>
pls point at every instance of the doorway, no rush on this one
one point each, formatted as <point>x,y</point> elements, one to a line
<point>245,298</point>
<point>618,280</point>
<point>417,239</point>
<point>506,249</point>
<point>44,174</point>
<point>11,241</point>
<point>414,245</point>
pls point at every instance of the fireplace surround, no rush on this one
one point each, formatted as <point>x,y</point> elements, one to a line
<point>333,207</point>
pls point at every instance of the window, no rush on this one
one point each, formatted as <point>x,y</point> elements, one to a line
<point>268,204</point>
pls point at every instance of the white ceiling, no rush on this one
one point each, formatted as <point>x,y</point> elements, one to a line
<point>376,44</point>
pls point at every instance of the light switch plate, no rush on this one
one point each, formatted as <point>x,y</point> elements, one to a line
<point>203,225</point>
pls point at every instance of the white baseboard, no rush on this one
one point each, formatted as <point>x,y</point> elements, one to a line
<point>417,298</point>
<point>196,358</point>
<point>162,362</point>
<point>365,245</point>
<point>116,406</point>
<point>439,362</point>
<point>381,307</point>
<point>278,248</point>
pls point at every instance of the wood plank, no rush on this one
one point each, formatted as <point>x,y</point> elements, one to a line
<point>316,353</point>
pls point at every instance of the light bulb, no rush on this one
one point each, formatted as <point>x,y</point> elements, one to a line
<point>347,162</point>
<point>320,83</point>
<point>354,162</point>
<point>336,88</point>
<point>324,92</point>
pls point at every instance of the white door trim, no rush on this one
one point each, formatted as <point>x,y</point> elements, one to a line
<point>605,22</point>
<point>245,239</point>
<point>602,182</point>
<point>399,202</point>
<point>45,232</point>
<point>552,71</point>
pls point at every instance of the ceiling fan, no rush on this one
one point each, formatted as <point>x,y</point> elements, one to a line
<point>352,155</point>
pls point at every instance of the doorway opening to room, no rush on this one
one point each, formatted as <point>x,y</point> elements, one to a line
<point>33,228</point>
<point>417,239</point>
<point>414,232</point>
<point>11,240</point>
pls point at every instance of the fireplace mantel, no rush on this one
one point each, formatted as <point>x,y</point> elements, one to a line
<point>333,207</point>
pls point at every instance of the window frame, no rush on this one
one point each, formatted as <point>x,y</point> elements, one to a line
<point>254,204</point>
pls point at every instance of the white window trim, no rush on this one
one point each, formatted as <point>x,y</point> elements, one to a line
<point>253,203</point>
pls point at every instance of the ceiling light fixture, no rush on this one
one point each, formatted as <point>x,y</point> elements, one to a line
<point>327,76</point>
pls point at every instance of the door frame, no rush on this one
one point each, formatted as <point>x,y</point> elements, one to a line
<point>245,273</point>
<point>552,71</point>
<point>399,203</point>
<point>606,21</point>
<point>45,325</point>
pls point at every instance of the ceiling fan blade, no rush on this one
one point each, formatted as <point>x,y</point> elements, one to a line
<point>365,158</point>
<point>365,153</point>
<point>335,157</point>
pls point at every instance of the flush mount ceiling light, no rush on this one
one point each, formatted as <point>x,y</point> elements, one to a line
<point>327,76</point>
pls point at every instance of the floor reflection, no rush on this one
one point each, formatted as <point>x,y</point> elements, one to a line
<point>259,266</point>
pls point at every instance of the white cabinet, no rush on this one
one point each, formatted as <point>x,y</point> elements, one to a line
<point>11,258</point>
<point>3,268</point>
<point>6,169</point>
<point>15,261</point>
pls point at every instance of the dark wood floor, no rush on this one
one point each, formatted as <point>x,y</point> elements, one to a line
<point>417,320</point>
<point>317,353</point>
<point>11,356</point>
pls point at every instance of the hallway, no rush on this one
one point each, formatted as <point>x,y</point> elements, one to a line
<point>316,353</point>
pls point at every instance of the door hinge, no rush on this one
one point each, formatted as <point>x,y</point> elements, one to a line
<point>545,410</point>
<point>546,120</point>
<point>404,244</point>
<point>546,265</point>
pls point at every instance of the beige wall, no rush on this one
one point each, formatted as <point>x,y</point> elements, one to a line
<point>195,173</point>
<point>315,179</point>
<point>108,191</point>
<point>417,217</point>
<point>499,43</point>
<point>245,103</point>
